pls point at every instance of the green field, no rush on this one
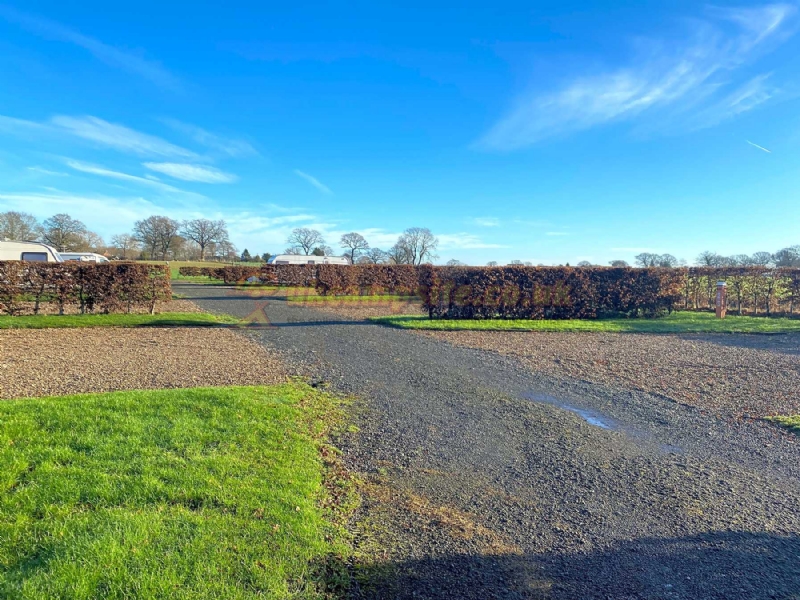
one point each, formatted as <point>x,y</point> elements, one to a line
<point>115,320</point>
<point>200,493</point>
<point>175,265</point>
<point>680,322</point>
<point>351,299</point>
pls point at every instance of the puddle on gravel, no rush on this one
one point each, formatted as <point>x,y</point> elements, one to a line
<point>591,417</point>
<point>600,420</point>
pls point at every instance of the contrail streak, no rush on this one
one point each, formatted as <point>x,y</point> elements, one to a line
<point>759,147</point>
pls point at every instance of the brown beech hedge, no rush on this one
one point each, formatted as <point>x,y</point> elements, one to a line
<point>547,292</point>
<point>116,287</point>
<point>285,275</point>
<point>366,279</point>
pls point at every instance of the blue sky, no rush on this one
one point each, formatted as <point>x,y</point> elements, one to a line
<point>551,132</point>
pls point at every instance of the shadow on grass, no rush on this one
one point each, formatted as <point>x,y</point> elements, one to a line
<point>720,565</point>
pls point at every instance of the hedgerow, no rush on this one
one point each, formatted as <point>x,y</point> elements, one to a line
<point>116,287</point>
<point>366,280</point>
<point>546,292</point>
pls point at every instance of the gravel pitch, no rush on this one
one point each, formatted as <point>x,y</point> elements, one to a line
<point>484,479</point>
<point>56,362</point>
<point>734,375</point>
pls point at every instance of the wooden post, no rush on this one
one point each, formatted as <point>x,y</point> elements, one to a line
<point>722,299</point>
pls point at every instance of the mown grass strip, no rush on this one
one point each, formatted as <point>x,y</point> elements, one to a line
<point>116,320</point>
<point>680,322</point>
<point>354,299</point>
<point>792,423</point>
<point>199,493</point>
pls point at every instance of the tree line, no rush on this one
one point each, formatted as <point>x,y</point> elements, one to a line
<point>415,246</point>
<point>161,237</point>
<point>156,237</point>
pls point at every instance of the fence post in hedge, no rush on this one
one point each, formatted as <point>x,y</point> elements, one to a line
<point>722,299</point>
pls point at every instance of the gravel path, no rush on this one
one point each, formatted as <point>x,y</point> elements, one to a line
<point>485,480</point>
<point>45,362</point>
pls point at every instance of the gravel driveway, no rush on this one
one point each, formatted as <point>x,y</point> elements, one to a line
<point>485,480</point>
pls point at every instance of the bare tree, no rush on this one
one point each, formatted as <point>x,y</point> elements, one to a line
<point>19,226</point>
<point>786,257</point>
<point>584,263</point>
<point>516,263</point>
<point>417,245</point>
<point>124,243</point>
<point>304,240</point>
<point>64,233</point>
<point>374,256</point>
<point>647,259</point>
<point>157,234</point>
<point>761,259</point>
<point>709,259</point>
<point>355,245</point>
<point>619,263</point>
<point>91,241</point>
<point>455,263</point>
<point>491,263</point>
<point>204,232</point>
<point>399,255</point>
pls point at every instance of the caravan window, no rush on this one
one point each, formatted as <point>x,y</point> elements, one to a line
<point>35,256</point>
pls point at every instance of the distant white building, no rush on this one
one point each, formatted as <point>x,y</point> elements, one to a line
<point>310,259</point>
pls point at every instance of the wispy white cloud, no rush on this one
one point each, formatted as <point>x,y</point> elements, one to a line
<point>247,222</point>
<point>313,181</point>
<point>111,174</point>
<point>119,137</point>
<point>464,241</point>
<point>556,233</point>
<point>486,221</point>
<point>187,172</point>
<point>232,147</point>
<point>105,214</point>
<point>99,132</point>
<point>48,172</point>
<point>114,57</point>
<point>21,126</point>
<point>685,76</point>
<point>759,147</point>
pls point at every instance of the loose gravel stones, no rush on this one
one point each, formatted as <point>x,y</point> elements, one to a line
<point>730,374</point>
<point>43,362</point>
<point>474,488</point>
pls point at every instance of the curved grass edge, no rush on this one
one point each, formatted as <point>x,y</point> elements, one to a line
<point>679,322</point>
<point>175,319</point>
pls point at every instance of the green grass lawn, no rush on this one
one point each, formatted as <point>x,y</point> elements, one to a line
<point>792,423</point>
<point>123,320</point>
<point>200,493</point>
<point>175,265</point>
<point>367,299</point>
<point>680,322</point>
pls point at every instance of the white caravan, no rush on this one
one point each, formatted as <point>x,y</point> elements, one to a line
<point>84,257</point>
<point>302,259</point>
<point>28,251</point>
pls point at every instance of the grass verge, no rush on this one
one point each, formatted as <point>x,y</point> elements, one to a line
<point>198,493</point>
<point>353,299</point>
<point>679,322</point>
<point>792,423</point>
<point>115,320</point>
